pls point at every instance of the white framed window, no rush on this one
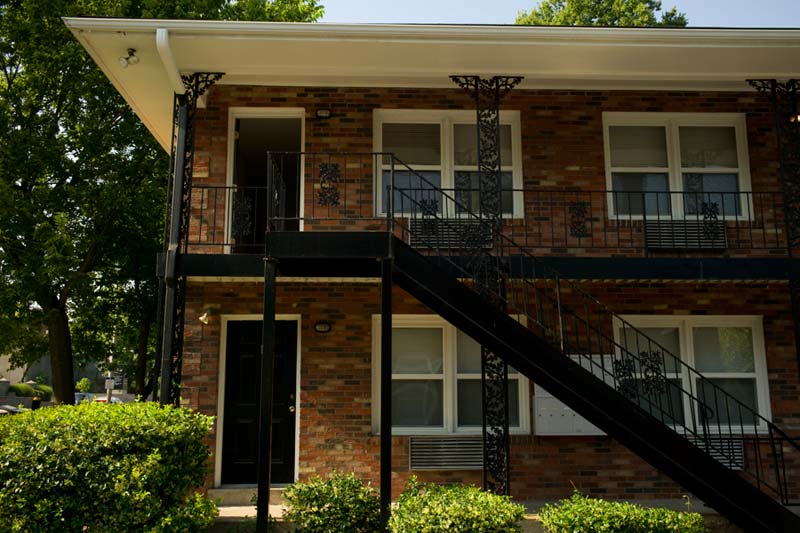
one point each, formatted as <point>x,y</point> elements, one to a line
<point>667,165</point>
<point>441,146</point>
<point>436,380</point>
<point>727,350</point>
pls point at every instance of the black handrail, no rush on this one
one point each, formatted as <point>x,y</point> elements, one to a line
<point>543,221</point>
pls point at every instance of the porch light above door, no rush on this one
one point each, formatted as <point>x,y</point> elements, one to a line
<point>323,326</point>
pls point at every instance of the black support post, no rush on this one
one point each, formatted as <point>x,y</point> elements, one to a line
<point>169,329</point>
<point>172,293</point>
<point>386,391</point>
<point>264,462</point>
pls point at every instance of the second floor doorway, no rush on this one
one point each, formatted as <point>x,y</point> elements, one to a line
<point>253,138</point>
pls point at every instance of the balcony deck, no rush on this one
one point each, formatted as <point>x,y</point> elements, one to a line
<point>585,233</point>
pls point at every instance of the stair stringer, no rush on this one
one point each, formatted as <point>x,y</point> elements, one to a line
<point>724,490</point>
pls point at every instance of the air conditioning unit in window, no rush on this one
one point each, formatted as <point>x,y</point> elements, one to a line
<point>449,233</point>
<point>685,235</point>
<point>446,453</point>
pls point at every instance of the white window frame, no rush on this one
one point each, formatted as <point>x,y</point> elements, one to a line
<point>447,118</point>
<point>671,122</point>
<point>684,324</point>
<point>450,384</point>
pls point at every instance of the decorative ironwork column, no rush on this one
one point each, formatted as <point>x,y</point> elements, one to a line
<point>785,98</point>
<point>489,272</point>
<point>172,293</point>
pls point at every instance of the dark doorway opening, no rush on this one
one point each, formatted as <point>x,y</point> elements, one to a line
<point>254,137</point>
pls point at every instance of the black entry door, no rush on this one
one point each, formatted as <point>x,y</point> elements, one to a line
<point>242,375</point>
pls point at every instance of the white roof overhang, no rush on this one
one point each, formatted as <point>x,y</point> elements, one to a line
<point>389,55</point>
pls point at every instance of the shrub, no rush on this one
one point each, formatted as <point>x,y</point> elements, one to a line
<point>45,392</point>
<point>83,385</point>
<point>339,503</point>
<point>102,468</point>
<point>428,508</point>
<point>580,514</point>
<point>22,390</point>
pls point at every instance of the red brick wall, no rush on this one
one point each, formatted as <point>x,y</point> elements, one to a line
<point>562,136</point>
<point>562,145</point>
<point>335,400</point>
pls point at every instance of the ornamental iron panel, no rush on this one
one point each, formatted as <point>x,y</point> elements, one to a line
<point>578,219</point>
<point>243,221</point>
<point>711,226</point>
<point>654,379</point>
<point>625,374</point>
<point>329,175</point>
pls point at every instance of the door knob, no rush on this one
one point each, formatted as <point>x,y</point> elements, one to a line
<point>291,409</point>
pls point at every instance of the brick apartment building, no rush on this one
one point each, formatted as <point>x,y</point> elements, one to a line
<point>605,210</point>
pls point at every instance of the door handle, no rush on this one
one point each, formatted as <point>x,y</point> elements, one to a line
<point>291,409</point>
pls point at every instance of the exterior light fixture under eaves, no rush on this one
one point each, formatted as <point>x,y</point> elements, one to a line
<point>129,60</point>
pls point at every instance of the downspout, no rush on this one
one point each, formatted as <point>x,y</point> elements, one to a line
<point>168,60</point>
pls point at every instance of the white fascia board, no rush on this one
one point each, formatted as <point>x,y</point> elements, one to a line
<point>454,33</point>
<point>421,53</point>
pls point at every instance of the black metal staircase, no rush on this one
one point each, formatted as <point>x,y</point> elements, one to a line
<point>626,384</point>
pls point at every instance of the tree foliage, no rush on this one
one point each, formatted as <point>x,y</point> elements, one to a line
<point>602,13</point>
<point>82,184</point>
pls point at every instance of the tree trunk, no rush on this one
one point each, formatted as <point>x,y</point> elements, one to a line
<point>60,345</point>
<point>141,356</point>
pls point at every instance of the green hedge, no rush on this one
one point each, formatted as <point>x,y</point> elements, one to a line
<point>580,514</point>
<point>22,389</point>
<point>45,392</point>
<point>429,508</point>
<point>337,504</point>
<point>104,468</point>
<point>342,503</point>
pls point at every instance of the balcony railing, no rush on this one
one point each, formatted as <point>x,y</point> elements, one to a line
<point>337,192</point>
